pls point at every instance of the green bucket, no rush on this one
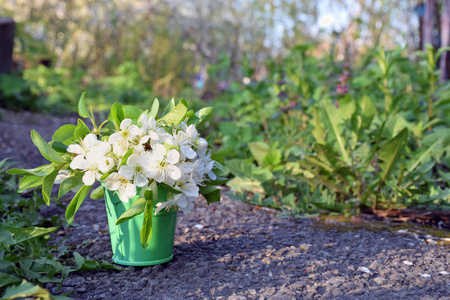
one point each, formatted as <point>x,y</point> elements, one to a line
<point>125,237</point>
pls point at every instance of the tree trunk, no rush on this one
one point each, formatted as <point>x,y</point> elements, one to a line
<point>445,40</point>
<point>7,29</point>
<point>428,22</point>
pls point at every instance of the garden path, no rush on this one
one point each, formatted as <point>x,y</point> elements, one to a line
<point>232,250</point>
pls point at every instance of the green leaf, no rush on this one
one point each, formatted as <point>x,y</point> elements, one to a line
<point>117,115</point>
<point>147,225</point>
<point>137,208</point>
<point>47,186</point>
<point>65,134</point>
<point>132,112</point>
<point>155,108</point>
<point>40,171</point>
<point>98,193</point>
<point>25,290</point>
<point>243,169</point>
<point>29,181</point>
<point>125,157</point>
<point>82,111</point>
<point>45,148</point>
<point>201,117</point>
<point>59,146</point>
<point>177,114</point>
<point>390,153</point>
<point>272,159</point>
<point>69,184</point>
<point>74,205</point>
<point>210,193</point>
<point>169,188</point>
<point>169,106</point>
<point>28,233</point>
<point>81,130</point>
<point>425,155</point>
<point>218,181</point>
<point>6,279</point>
<point>259,150</point>
<point>330,118</point>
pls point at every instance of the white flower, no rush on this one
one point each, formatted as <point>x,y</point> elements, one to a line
<point>186,183</point>
<point>121,140</point>
<point>136,169</point>
<point>163,164</point>
<point>83,148</point>
<point>94,165</point>
<point>125,188</point>
<point>198,142</point>
<point>180,200</point>
<point>203,167</point>
<point>182,140</point>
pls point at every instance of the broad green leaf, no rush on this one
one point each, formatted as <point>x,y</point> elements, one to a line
<point>45,148</point>
<point>65,134</point>
<point>98,193</point>
<point>390,153</point>
<point>259,150</point>
<point>155,108</point>
<point>26,290</point>
<point>40,171</point>
<point>169,188</point>
<point>83,264</point>
<point>243,169</point>
<point>74,205</point>
<point>169,106</point>
<point>318,132</point>
<point>147,225</point>
<point>425,155</point>
<point>29,181</point>
<point>132,112</point>
<point>239,184</point>
<point>81,130</point>
<point>330,113</point>
<point>117,115</point>
<point>272,159</point>
<point>136,209</point>
<point>218,181</point>
<point>59,146</point>
<point>47,186</point>
<point>201,117</point>
<point>6,279</point>
<point>69,184</point>
<point>177,114</point>
<point>374,148</point>
<point>210,193</point>
<point>368,110</point>
<point>82,111</point>
<point>23,234</point>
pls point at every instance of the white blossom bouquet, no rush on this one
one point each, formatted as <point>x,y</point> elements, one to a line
<point>132,153</point>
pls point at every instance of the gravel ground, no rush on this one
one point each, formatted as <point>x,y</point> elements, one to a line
<point>232,250</point>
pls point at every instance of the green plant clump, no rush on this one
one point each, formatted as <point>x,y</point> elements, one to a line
<point>320,136</point>
<point>29,258</point>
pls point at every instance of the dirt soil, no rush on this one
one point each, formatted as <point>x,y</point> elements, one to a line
<point>232,250</point>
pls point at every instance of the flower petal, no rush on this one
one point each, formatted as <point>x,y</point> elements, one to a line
<point>159,151</point>
<point>75,148</point>
<point>89,178</point>
<point>173,172</point>
<point>125,124</point>
<point>187,150</point>
<point>173,156</point>
<point>126,172</point>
